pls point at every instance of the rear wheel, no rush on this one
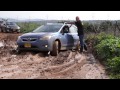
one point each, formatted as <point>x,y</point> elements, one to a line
<point>55,49</point>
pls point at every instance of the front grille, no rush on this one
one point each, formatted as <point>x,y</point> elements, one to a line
<point>29,39</point>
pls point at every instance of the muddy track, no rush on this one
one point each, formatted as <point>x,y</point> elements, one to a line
<point>36,65</point>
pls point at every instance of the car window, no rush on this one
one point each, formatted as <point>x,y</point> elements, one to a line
<point>48,28</point>
<point>73,29</point>
<point>65,29</point>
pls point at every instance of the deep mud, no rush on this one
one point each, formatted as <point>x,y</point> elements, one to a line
<point>36,65</point>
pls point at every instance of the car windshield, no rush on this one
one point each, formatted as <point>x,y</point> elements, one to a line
<point>10,23</point>
<point>48,28</point>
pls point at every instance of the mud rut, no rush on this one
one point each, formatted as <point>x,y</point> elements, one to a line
<point>35,65</point>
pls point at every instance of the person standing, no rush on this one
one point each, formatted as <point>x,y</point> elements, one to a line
<point>80,28</point>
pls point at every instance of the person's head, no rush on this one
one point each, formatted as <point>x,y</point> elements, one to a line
<point>77,18</point>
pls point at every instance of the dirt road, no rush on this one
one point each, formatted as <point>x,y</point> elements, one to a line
<point>35,65</point>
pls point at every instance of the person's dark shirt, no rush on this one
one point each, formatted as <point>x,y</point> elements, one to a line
<point>79,27</point>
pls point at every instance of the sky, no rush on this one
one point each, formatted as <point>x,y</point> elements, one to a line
<point>62,15</point>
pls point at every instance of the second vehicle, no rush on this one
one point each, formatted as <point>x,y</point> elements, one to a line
<point>9,27</point>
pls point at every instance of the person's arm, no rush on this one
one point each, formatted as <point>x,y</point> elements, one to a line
<point>70,23</point>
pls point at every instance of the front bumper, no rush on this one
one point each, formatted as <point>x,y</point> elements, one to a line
<point>13,30</point>
<point>38,45</point>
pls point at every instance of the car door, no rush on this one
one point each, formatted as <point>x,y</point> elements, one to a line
<point>74,34</point>
<point>66,38</point>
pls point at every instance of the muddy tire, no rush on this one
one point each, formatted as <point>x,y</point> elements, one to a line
<point>55,49</point>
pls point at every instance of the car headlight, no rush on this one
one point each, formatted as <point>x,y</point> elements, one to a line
<point>45,38</point>
<point>18,28</point>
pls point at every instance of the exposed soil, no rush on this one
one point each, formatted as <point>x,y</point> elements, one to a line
<point>36,65</point>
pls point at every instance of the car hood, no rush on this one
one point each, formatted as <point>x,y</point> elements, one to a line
<point>36,35</point>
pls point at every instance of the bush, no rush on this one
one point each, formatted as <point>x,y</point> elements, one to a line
<point>114,76</point>
<point>113,65</point>
<point>107,49</point>
<point>96,39</point>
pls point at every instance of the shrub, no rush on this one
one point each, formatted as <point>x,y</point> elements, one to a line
<point>107,50</point>
<point>113,65</point>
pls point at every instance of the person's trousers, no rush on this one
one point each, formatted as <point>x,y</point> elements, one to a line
<point>82,43</point>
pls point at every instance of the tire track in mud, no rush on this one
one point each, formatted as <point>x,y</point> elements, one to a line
<point>68,69</point>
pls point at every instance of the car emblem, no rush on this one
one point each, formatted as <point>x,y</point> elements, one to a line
<point>29,39</point>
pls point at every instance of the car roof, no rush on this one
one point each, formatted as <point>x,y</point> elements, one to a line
<point>55,24</point>
<point>58,24</point>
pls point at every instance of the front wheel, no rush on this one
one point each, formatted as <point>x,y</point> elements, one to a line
<point>55,50</point>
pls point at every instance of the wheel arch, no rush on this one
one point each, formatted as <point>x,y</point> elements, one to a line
<point>59,43</point>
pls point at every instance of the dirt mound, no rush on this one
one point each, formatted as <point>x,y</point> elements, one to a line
<point>9,36</point>
<point>36,65</point>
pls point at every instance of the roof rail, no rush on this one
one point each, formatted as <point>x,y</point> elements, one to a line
<point>60,21</point>
<point>64,22</point>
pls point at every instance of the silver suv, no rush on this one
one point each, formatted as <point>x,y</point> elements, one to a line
<point>52,37</point>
